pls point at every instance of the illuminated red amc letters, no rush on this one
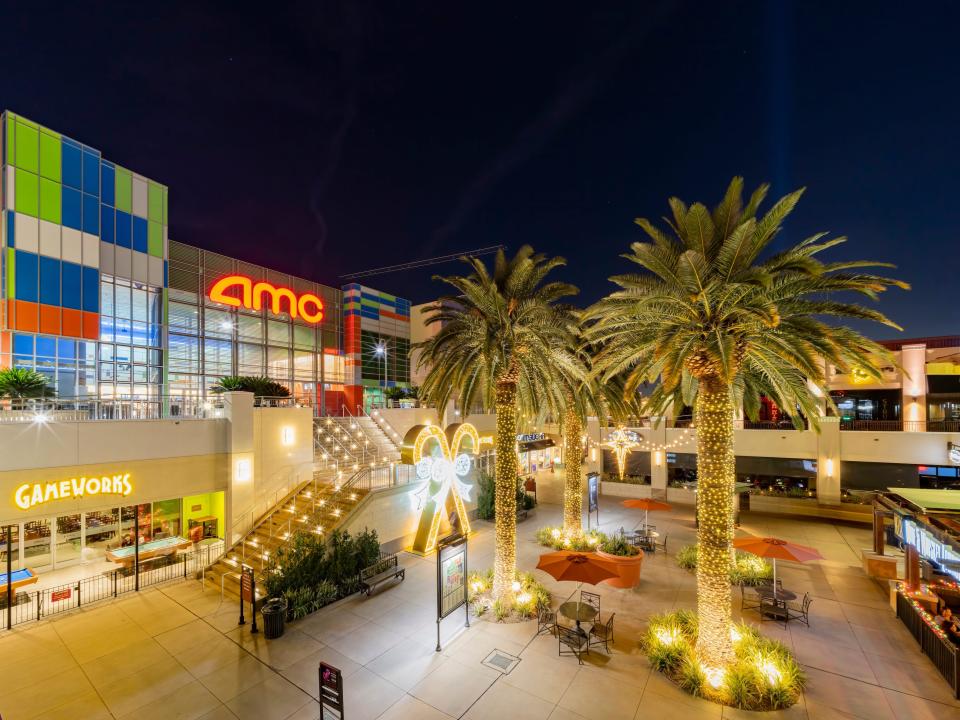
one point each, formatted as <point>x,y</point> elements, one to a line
<point>250,296</point>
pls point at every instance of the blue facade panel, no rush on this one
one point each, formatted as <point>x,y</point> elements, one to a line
<point>91,290</point>
<point>123,229</point>
<point>107,224</point>
<point>27,270</point>
<point>72,297</point>
<point>108,184</point>
<point>91,173</point>
<point>72,162</point>
<point>139,234</point>
<point>71,208</point>
<point>91,214</point>
<point>49,281</point>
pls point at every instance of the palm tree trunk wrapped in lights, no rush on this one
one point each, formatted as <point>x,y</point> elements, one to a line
<point>573,468</point>
<point>716,319</point>
<point>505,490</point>
<point>504,341</point>
<point>716,475</point>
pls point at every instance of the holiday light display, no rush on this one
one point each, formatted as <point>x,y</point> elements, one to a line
<point>442,460</point>
<point>505,489</point>
<point>573,486</point>
<point>622,441</point>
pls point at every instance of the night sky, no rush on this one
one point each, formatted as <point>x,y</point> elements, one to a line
<point>322,138</point>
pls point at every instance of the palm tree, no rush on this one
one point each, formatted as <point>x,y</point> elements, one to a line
<point>715,324</point>
<point>21,384</point>
<point>582,398</point>
<point>503,342</point>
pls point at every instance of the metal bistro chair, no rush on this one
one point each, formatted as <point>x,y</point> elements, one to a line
<point>801,612</point>
<point>773,609</point>
<point>575,643</point>
<point>662,545</point>
<point>591,599</point>
<point>546,621</point>
<point>603,632</point>
<point>748,603</point>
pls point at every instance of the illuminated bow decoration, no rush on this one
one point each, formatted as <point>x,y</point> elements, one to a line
<point>442,473</point>
<point>622,441</point>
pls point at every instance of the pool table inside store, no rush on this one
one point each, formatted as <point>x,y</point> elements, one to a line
<point>18,578</point>
<point>152,549</point>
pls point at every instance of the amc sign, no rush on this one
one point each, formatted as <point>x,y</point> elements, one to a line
<point>239,291</point>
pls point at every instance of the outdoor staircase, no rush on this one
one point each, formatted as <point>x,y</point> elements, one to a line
<point>359,439</point>
<point>319,505</point>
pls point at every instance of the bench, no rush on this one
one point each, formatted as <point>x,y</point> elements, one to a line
<point>384,569</point>
<point>522,514</point>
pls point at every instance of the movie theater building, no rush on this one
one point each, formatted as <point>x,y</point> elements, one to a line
<point>95,294</point>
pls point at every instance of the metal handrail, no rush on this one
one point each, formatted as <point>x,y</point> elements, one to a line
<point>81,409</point>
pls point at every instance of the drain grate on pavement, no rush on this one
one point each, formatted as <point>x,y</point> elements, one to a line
<point>501,661</point>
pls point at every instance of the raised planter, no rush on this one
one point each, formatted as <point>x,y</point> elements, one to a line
<point>811,508</point>
<point>626,490</point>
<point>628,569</point>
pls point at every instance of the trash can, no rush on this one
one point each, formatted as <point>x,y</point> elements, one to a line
<point>274,612</point>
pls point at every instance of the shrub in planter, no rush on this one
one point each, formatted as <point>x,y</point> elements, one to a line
<point>763,675</point>
<point>559,539</point>
<point>747,569</point>
<point>485,493</point>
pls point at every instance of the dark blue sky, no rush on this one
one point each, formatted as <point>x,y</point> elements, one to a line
<point>325,138</point>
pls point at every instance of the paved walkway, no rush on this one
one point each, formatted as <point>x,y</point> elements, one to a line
<point>176,652</point>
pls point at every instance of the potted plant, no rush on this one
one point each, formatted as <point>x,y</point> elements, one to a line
<point>626,558</point>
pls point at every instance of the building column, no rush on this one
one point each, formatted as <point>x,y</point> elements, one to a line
<point>241,490</point>
<point>913,385</point>
<point>658,458</point>
<point>828,461</point>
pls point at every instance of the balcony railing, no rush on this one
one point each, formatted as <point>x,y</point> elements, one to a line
<point>84,410</point>
<point>901,425</point>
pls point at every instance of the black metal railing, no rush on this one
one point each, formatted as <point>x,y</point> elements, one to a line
<point>943,653</point>
<point>58,599</point>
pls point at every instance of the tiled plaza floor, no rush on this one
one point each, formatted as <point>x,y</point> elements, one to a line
<point>176,652</point>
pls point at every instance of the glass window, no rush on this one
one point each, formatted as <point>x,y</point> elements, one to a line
<point>46,347</point>
<point>278,332</point>
<point>122,353</point>
<point>217,357</point>
<point>183,317</point>
<point>166,518</point>
<point>106,298</point>
<point>278,363</point>
<point>123,372</point>
<point>139,373</point>
<point>107,371</point>
<point>138,333</point>
<point>250,359</point>
<point>217,323</point>
<point>123,307</point>
<point>249,327</point>
<point>103,530</point>
<point>155,305</point>
<point>87,353</point>
<point>184,354</point>
<point>106,352</point>
<point>139,302</point>
<point>304,337</point>
<point>140,355</point>
<point>303,365</point>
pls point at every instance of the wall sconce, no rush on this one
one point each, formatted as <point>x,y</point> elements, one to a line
<point>287,435</point>
<point>243,470</point>
<point>658,458</point>
<point>593,454</point>
<point>828,467</point>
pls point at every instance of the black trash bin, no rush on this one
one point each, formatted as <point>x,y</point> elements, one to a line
<point>274,612</point>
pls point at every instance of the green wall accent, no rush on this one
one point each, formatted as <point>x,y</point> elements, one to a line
<point>28,147</point>
<point>165,221</point>
<point>155,238</point>
<point>50,192</point>
<point>50,155</point>
<point>155,202</point>
<point>27,191</point>
<point>124,190</point>
<point>11,274</point>
<point>11,140</point>
<point>209,504</point>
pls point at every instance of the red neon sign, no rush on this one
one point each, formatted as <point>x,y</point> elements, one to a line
<point>307,306</point>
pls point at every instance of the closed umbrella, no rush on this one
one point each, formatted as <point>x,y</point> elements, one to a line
<point>646,504</point>
<point>583,567</point>
<point>775,549</point>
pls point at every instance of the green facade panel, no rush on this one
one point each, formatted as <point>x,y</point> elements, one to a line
<point>165,221</point>
<point>124,190</point>
<point>50,193</point>
<point>155,239</point>
<point>27,190</point>
<point>155,202</point>
<point>11,140</point>
<point>50,155</point>
<point>28,147</point>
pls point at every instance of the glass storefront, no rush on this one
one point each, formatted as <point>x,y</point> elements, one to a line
<point>64,540</point>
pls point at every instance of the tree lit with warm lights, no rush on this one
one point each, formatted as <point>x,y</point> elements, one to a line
<point>716,319</point>
<point>503,343</point>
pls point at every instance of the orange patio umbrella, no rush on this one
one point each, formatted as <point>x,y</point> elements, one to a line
<point>776,549</point>
<point>646,504</point>
<point>583,567</point>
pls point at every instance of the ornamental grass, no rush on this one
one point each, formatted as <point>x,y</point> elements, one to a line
<point>764,675</point>
<point>527,597</point>
<point>747,569</point>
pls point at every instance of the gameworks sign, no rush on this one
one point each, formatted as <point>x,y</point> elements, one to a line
<point>239,291</point>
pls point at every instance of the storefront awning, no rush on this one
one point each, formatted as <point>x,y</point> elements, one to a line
<point>930,500</point>
<point>537,445</point>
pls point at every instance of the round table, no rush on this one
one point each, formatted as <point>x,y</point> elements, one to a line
<point>578,612</point>
<point>767,591</point>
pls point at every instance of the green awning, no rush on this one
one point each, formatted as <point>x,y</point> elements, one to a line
<point>930,500</point>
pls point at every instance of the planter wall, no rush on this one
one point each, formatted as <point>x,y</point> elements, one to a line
<point>628,568</point>
<point>626,490</point>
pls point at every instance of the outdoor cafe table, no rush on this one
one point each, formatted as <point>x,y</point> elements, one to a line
<point>779,596</point>
<point>578,612</point>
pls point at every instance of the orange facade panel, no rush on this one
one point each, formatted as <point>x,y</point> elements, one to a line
<point>27,315</point>
<point>91,325</point>
<point>50,319</point>
<point>72,321</point>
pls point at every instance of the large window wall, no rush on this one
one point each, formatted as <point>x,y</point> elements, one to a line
<point>208,340</point>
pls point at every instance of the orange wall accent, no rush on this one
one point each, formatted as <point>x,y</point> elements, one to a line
<point>50,319</point>
<point>72,323</point>
<point>91,325</point>
<point>28,316</point>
